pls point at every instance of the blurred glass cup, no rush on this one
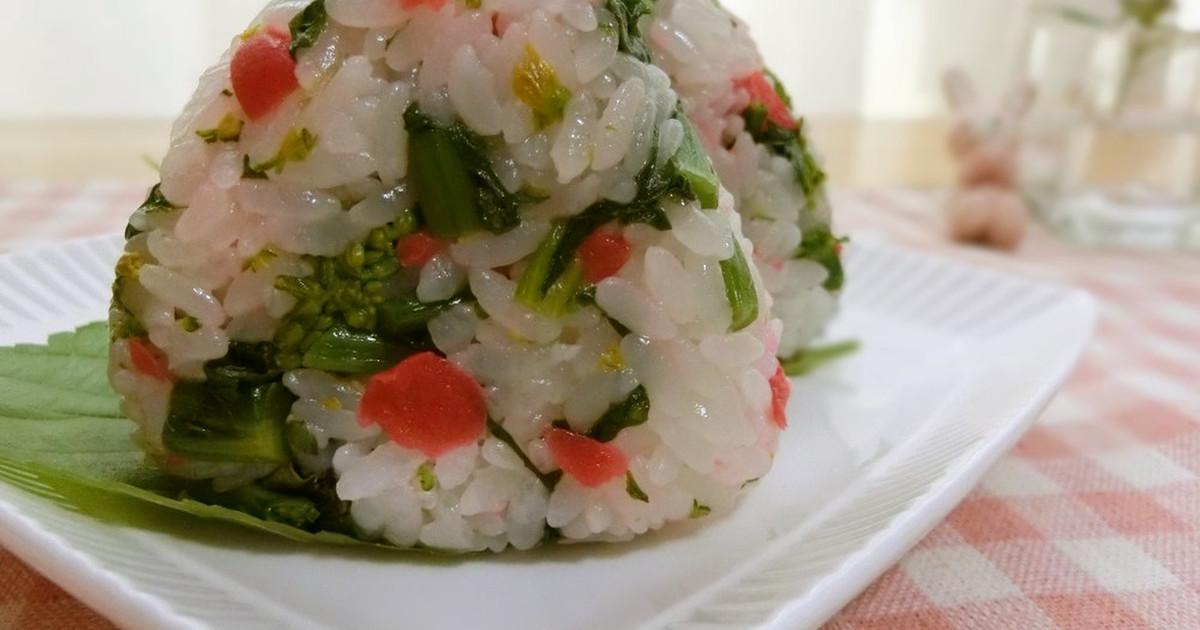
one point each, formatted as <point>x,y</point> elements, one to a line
<point>1112,153</point>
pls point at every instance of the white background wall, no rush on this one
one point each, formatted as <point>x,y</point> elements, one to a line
<point>138,58</point>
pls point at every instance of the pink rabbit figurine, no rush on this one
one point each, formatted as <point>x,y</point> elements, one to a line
<point>986,206</point>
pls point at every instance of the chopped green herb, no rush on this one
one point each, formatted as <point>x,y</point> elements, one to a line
<point>740,289</point>
<point>473,4</point>
<point>635,491</point>
<point>536,84</point>
<point>810,359</point>
<point>307,26</point>
<point>698,510</point>
<point>821,246</point>
<point>228,130</point>
<point>631,412</point>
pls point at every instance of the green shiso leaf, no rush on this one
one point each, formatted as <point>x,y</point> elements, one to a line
<point>63,438</point>
<point>307,27</point>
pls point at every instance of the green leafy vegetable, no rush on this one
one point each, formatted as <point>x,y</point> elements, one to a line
<point>442,180</point>
<point>269,505</point>
<point>155,205</point>
<point>229,420</point>
<point>631,412</point>
<point>821,246</point>
<point>156,202</point>
<point>655,185</point>
<point>343,290</point>
<point>551,297</point>
<point>349,351</point>
<point>307,26</point>
<point>634,490</point>
<point>810,359</point>
<point>455,182</point>
<point>791,144</point>
<point>403,316</point>
<point>696,168</point>
<point>629,14</point>
<point>699,510</point>
<point>740,289</point>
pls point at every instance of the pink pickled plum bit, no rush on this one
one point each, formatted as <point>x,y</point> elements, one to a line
<point>263,73</point>
<point>590,462</point>
<point>427,404</point>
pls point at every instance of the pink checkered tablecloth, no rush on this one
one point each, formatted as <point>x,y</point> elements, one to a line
<point>1091,522</point>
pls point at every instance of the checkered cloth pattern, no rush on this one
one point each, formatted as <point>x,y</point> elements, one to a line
<point>1091,522</point>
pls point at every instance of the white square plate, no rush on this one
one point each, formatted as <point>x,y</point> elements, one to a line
<point>955,365</point>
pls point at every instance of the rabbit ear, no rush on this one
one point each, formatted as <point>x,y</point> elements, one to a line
<point>1018,101</point>
<point>960,92</point>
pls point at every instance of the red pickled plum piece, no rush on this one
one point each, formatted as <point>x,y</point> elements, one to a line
<point>427,404</point>
<point>588,461</point>
<point>781,391</point>
<point>415,250</point>
<point>148,361</point>
<point>603,254</point>
<point>263,73</point>
<point>763,93</point>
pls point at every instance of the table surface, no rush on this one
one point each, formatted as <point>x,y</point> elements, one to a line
<point>1092,521</point>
